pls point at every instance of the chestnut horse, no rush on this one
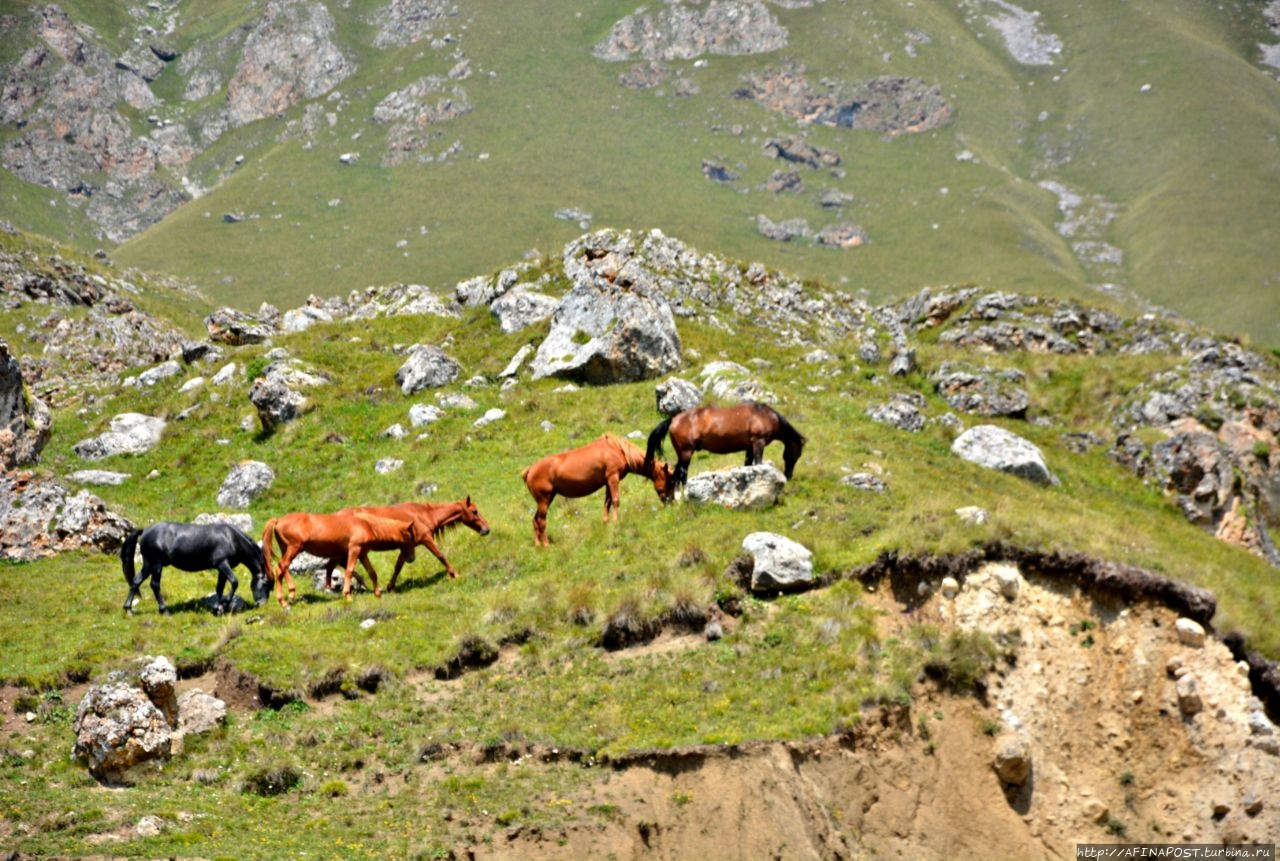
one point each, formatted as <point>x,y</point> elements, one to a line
<point>347,537</point>
<point>431,519</point>
<point>583,471</point>
<point>748,427</point>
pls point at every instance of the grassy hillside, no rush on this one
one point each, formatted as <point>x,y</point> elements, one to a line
<point>1157,111</point>
<point>790,668</point>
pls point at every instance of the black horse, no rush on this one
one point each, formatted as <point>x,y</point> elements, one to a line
<point>193,547</point>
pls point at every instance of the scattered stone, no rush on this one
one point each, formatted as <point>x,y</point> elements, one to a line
<point>950,587</point>
<point>131,433</point>
<point>245,483</point>
<point>973,515</point>
<point>388,465</point>
<point>865,481</point>
<point>1189,701</point>
<point>99,477</point>
<point>490,416</point>
<point>424,414</point>
<point>520,309</point>
<point>1190,632</point>
<point>426,367</point>
<point>903,412</point>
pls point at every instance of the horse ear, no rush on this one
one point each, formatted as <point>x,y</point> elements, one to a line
<point>468,499</point>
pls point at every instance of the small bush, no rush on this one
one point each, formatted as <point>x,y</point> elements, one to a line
<point>269,782</point>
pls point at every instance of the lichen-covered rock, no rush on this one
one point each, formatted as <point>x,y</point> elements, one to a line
<point>426,367</point>
<point>118,729</point>
<point>245,483</point>
<point>779,564</point>
<point>742,488</point>
<point>675,395</point>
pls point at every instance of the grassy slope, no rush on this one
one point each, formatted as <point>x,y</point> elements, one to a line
<point>1191,164</point>
<point>796,667</point>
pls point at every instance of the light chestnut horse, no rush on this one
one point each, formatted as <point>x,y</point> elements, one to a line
<point>583,471</point>
<point>748,427</point>
<point>431,519</point>
<point>348,537</point>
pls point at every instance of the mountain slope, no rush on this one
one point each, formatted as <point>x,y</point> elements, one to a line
<point>1158,118</point>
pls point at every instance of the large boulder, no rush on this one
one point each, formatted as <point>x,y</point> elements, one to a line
<point>277,394</point>
<point>131,433</point>
<point>426,367</point>
<point>742,488</point>
<point>675,395</point>
<point>779,564</point>
<point>615,325</point>
<point>996,448</point>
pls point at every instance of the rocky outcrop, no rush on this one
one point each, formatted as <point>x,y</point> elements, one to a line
<point>41,518</point>
<point>889,105</point>
<point>411,111</point>
<point>404,22</point>
<point>615,324</point>
<point>679,31</point>
<point>289,56</point>
<point>983,391</point>
<point>25,421</point>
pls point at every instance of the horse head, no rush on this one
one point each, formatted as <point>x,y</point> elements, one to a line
<point>471,517</point>
<point>664,482</point>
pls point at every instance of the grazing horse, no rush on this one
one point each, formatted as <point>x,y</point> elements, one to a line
<point>345,537</point>
<point>583,471</point>
<point>432,518</point>
<point>192,547</point>
<point>748,427</point>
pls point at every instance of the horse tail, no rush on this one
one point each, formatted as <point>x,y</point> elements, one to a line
<point>126,555</point>
<point>656,436</point>
<point>268,536</point>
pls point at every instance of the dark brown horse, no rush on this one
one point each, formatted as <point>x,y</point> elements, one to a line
<point>431,519</point>
<point>747,427</point>
<point>583,471</point>
<point>349,537</point>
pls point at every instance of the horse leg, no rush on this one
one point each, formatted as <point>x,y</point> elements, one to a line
<point>540,523</point>
<point>282,575</point>
<point>373,575</point>
<point>755,453</point>
<point>611,495</point>
<point>430,544</point>
<point>226,574</point>
<point>155,586</point>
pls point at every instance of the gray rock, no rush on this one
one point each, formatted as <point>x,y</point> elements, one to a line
<point>424,414</point>
<point>243,522</point>
<point>388,465</point>
<point>614,326</point>
<point>903,412</point>
<point>245,483</point>
<point>490,416</point>
<point>982,391</point>
<point>903,362</point>
<point>1189,700</point>
<point>131,433</point>
<point>520,309</point>
<point>99,477</point>
<point>675,395</point>
<point>199,712</point>
<point>681,32</point>
<point>163,371</point>
<point>513,366</point>
<point>426,367</point>
<point>742,488</point>
<point>236,328</point>
<point>276,402</point>
<point>865,481</point>
<point>996,448</point>
<point>25,421</point>
<point>159,680</point>
<point>780,564</point>
<point>117,730</point>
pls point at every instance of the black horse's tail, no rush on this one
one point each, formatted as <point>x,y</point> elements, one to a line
<point>126,555</point>
<point>656,436</point>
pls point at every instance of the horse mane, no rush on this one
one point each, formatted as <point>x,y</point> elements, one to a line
<point>634,455</point>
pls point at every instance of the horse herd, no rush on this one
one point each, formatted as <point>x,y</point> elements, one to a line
<point>347,536</point>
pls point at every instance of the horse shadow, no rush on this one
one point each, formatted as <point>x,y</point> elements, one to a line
<point>411,584</point>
